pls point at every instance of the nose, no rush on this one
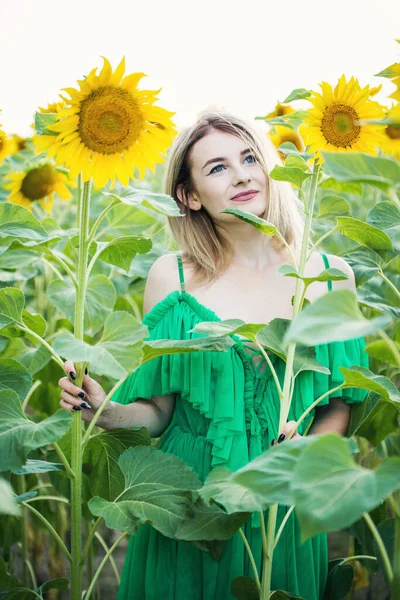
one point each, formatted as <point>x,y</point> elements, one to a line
<point>241,175</point>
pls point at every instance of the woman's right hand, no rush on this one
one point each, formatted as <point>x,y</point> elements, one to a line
<point>90,397</point>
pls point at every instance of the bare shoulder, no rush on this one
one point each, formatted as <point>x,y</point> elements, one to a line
<point>340,263</point>
<point>163,278</point>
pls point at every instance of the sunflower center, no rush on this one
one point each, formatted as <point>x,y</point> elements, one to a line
<point>110,120</point>
<point>339,125</point>
<point>38,183</point>
<point>392,132</point>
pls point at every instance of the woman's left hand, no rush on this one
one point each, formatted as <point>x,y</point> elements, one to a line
<point>284,433</point>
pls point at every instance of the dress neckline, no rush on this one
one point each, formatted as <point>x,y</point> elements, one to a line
<point>207,314</point>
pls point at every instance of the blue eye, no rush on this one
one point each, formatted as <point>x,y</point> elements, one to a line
<point>213,170</point>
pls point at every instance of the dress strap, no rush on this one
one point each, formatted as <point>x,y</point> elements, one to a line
<point>181,276</point>
<point>327,265</point>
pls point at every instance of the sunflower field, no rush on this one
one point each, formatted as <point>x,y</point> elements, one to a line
<point>82,220</point>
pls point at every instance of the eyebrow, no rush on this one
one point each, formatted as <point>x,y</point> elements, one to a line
<point>222,158</point>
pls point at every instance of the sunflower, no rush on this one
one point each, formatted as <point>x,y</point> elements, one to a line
<point>37,183</point>
<point>8,146</point>
<point>280,110</point>
<point>391,141</point>
<point>280,135</point>
<point>333,123</point>
<point>108,127</point>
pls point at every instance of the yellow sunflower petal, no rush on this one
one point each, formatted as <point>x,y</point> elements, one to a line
<point>106,72</point>
<point>130,81</point>
<point>119,73</point>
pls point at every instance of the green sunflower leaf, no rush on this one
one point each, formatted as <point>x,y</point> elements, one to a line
<point>257,222</point>
<point>363,233</point>
<point>121,251</point>
<point>333,317</point>
<point>43,121</point>
<point>19,435</point>
<point>382,173</point>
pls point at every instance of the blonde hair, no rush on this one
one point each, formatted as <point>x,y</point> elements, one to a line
<point>202,246</point>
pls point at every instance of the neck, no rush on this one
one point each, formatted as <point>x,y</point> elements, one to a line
<point>251,248</point>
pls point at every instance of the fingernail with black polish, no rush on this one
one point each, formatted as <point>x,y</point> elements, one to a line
<point>72,375</point>
<point>281,438</point>
<point>85,405</point>
<point>76,408</point>
<point>272,443</point>
<point>85,370</point>
<point>81,394</point>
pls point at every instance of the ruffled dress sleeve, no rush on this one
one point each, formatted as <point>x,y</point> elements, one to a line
<point>335,355</point>
<point>312,384</point>
<point>162,375</point>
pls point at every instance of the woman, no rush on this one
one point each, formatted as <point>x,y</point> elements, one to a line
<point>222,408</point>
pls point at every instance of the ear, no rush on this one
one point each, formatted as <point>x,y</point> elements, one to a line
<point>190,199</point>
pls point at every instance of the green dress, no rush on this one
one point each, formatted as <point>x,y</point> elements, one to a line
<point>226,414</point>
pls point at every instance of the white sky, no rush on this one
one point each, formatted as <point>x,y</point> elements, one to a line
<point>241,55</point>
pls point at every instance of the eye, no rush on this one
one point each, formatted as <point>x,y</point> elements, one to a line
<point>213,169</point>
<point>251,156</point>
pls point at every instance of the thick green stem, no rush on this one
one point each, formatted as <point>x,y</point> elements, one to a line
<point>101,565</point>
<point>382,549</point>
<point>76,433</point>
<point>396,562</point>
<point>287,384</point>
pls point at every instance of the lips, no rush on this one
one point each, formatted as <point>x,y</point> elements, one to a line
<point>243,196</point>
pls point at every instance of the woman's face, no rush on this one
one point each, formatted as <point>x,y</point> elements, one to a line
<point>223,166</point>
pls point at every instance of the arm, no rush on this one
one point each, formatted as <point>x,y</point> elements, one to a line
<point>156,413</point>
<point>332,418</point>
